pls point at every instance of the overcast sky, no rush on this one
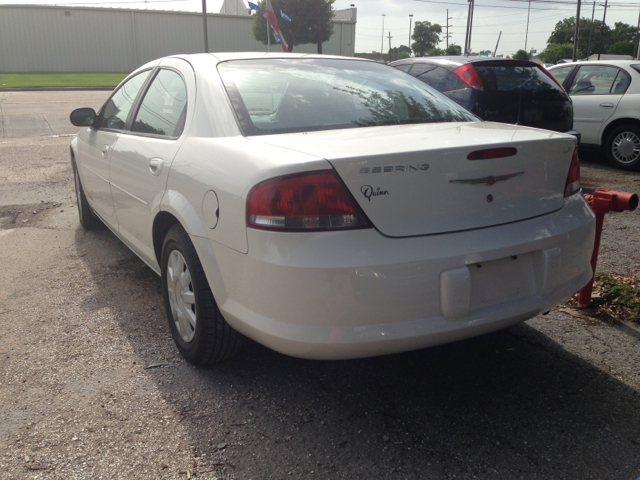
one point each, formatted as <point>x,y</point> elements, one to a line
<point>490,17</point>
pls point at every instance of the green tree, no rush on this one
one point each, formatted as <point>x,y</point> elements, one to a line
<point>623,47</point>
<point>453,50</point>
<point>426,37</point>
<point>436,52</point>
<point>311,22</point>
<point>400,49</point>
<point>565,30</point>
<point>555,52</point>
<point>522,55</point>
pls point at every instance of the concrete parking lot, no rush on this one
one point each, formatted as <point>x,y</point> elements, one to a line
<point>91,385</point>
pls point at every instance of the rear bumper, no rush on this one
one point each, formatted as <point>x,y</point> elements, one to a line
<point>334,295</point>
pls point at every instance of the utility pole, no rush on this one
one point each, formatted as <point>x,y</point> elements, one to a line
<point>382,41</point>
<point>638,38</point>
<point>410,20</point>
<point>604,15</point>
<point>318,28</point>
<point>526,37</point>
<point>593,12</point>
<point>447,36</point>
<point>204,21</point>
<point>497,43</point>
<point>467,42</point>
<point>389,46</point>
<point>576,35</point>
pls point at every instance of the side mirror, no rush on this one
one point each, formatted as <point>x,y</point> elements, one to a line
<point>83,117</point>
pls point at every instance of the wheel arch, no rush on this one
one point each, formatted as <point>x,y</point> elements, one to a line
<point>615,124</point>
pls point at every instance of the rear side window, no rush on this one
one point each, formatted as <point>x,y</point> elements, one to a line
<point>164,106</point>
<point>442,80</point>
<point>404,68</point>
<point>594,80</point>
<point>420,68</point>
<point>514,78</point>
<point>636,67</point>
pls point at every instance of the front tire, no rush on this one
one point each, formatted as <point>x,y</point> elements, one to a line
<point>201,333</point>
<point>88,219</point>
<point>623,147</point>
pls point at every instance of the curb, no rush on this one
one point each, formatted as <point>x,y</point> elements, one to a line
<point>51,89</point>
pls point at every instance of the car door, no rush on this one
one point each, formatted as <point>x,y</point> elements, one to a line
<point>144,152</point>
<point>96,144</point>
<point>596,91</point>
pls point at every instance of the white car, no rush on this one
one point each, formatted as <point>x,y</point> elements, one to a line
<point>606,106</point>
<point>329,207</point>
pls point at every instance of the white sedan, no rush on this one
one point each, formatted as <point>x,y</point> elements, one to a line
<point>328,207</point>
<point>605,97</point>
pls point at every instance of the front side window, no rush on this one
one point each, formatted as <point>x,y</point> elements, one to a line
<point>405,67</point>
<point>295,95</point>
<point>561,73</point>
<point>163,108</point>
<point>114,113</point>
<point>593,80</point>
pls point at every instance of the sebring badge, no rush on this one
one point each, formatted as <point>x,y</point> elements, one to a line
<point>488,181</point>
<point>396,168</point>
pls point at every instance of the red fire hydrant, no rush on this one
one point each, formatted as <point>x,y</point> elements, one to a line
<point>602,202</point>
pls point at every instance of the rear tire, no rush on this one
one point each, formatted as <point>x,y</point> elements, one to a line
<point>623,147</point>
<point>87,218</point>
<point>201,333</point>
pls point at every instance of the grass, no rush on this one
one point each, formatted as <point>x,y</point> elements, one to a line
<point>621,294</point>
<point>22,80</point>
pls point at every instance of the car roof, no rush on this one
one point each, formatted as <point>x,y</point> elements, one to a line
<point>456,60</point>
<point>226,56</point>
<point>615,63</point>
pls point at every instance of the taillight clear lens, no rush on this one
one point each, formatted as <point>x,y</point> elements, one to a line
<point>573,179</point>
<point>303,202</point>
<point>468,74</point>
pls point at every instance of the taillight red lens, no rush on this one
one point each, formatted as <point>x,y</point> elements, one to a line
<point>468,74</point>
<point>573,179</point>
<point>309,201</point>
<point>550,75</point>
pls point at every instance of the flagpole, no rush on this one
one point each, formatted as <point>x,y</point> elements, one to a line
<point>268,38</point>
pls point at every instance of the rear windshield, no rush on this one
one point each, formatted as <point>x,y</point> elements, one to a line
<point>636,66</point>
<point>293,95</point>
<point>514,78</point>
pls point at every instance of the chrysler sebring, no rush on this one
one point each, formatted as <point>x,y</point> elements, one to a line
<point>328,207</point>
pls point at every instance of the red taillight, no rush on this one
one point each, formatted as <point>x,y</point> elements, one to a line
<point>573,179</point>
<point>550,75</point>
<point>308,201</point>
<point>492,153</point>
<point>468,74</point>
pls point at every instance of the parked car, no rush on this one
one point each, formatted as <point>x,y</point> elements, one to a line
<point>497,89</point>
<point>606,106</point>
<point>328,207</point>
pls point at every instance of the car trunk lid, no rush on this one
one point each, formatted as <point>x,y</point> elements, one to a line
<point>417,179</point>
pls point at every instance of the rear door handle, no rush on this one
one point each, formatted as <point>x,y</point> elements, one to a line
<point>155,166</point>
<point>606,105</point>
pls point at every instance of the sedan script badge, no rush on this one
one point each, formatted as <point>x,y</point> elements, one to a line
<point>488,181</point>
<point>368,192</point>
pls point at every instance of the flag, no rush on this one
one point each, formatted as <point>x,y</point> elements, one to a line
<point>285,16</point>
<point>253,6</point>
<point>270,15</point>
<point>277,37</point>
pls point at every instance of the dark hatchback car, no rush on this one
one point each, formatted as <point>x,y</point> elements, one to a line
<point>498,90</point>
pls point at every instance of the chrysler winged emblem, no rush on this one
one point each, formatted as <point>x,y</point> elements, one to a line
<point>488,181</point>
